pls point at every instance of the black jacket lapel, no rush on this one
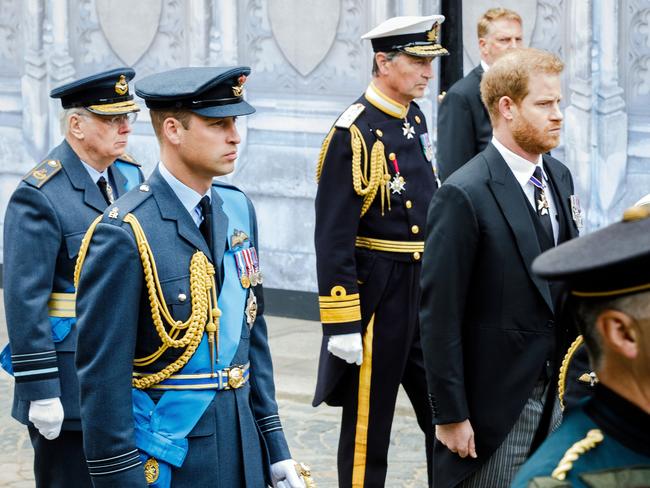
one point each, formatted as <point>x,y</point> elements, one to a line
<point>512,201</point>
<point>561,181</point>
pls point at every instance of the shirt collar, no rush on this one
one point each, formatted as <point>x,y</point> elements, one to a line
<point>485,66</point>
<point>94,174</point>
<point>520,167</point>
<point>188,197</point>
<point>385,103</point>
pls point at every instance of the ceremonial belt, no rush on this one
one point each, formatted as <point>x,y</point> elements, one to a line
<point>62,305</point>
<point>224,379</point>
<point>389,246</point>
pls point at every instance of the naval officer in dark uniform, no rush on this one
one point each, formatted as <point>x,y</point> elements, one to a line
<point>605,440</point>
<point>174,366</point>
<point>375,182</point>
<point>45,221</point>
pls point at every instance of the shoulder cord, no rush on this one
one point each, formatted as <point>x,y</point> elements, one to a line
<point>594,437</point>
<point>564,369</point>
<point>204,299</point>
<point>366,182</point>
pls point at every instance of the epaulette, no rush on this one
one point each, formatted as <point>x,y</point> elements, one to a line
<point>127,158</point>
<point>116,212</point>
<point>348,117</point>
<point>42,173</point>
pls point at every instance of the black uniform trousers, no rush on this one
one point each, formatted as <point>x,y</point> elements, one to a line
<point>390,300</point>
<point>59,463</point>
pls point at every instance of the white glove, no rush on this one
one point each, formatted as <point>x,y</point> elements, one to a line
<point>47,416</point>
<point>347,347</point>
<point>284,475</point>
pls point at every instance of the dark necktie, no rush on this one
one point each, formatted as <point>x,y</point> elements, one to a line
<point>106,190</point>
<point>206,224</point>
<point>541,203</point>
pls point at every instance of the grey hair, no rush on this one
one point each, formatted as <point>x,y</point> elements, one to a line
<point>64,118</point>
<point>390,55</point>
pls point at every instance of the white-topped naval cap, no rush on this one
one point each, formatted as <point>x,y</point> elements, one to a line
<point>409,24</point>
<point>414,35</point>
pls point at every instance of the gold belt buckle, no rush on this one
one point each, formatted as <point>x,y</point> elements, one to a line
<point>236,377</point>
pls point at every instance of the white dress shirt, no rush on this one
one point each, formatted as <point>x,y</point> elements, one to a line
<point>188,197</point>
<point>522,169</point>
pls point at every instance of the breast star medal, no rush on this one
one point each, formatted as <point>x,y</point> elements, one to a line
<point>407,130</point>
<point>542,204</point>
<point>397,184</point>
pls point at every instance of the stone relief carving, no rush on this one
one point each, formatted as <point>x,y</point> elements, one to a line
<point>304,48</point>
<point>94,49</point>
<point>10,37</point>
<point>338,70</point>
<point>549,29</point>
<point>129,40</point>
<point>639,57</point>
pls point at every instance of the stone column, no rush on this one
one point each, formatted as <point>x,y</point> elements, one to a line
<point>578,121</point>
<point>611,118</point>
<point>199,17</point>
<point>34,81</point>
<point>223,33</point>
<point>61,64</point>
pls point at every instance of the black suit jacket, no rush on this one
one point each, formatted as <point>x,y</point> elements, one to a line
<point>464,128</point>
<point>487,322</point>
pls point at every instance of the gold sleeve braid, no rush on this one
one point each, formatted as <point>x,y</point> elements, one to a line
<point>564,369</point>
<point>204,299</point>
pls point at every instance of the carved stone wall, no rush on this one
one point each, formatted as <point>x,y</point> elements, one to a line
<point>308,65</point>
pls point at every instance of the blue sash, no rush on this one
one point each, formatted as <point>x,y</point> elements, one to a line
<point>161,429</point>
<point>61,327</point>
<point>130,171</point>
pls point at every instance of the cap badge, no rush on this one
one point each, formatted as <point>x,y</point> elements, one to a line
<point>238,90</point>
<point>121,87</point>
<point>432,35</point>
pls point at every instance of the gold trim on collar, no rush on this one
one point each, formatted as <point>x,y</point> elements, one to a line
<point>384,103</point>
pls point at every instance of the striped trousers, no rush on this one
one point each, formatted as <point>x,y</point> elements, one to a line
<point>501,468</point>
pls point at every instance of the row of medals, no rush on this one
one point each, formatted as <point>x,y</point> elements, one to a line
<point>254,279</point>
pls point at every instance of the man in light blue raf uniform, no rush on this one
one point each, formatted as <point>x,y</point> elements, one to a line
<point>174,365</point>
<point>46,218</point>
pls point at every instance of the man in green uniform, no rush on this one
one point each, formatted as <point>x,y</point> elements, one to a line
<point>604,441</point>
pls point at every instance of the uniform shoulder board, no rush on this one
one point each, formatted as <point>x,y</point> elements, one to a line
<point>127,158</point>
<point>116,212</point>
<point>42,173</point>
<point>348,117</point>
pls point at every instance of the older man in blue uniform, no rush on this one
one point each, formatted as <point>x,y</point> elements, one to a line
<point>605,440</point>
<point>45,221</point>
<point>375,182</point>
<point>174,365</point>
